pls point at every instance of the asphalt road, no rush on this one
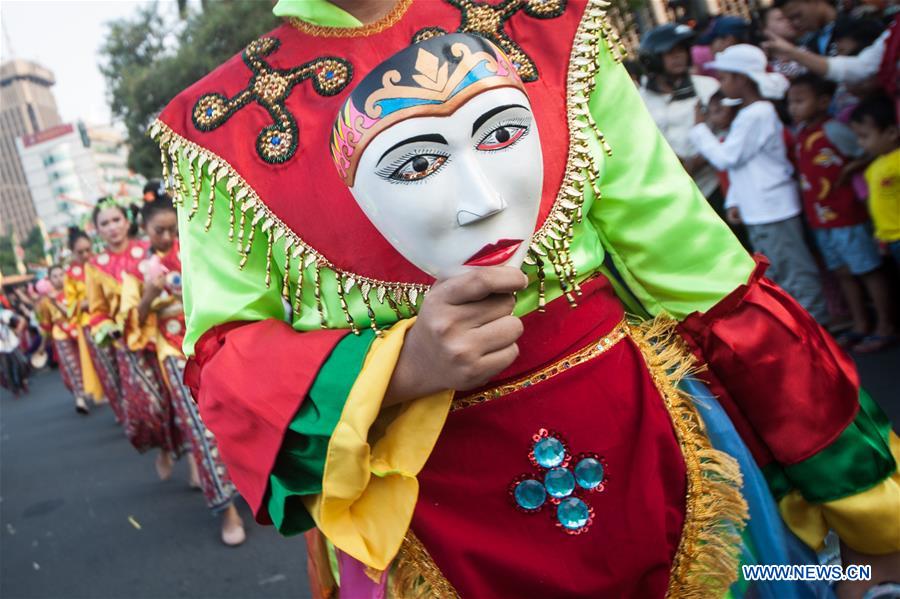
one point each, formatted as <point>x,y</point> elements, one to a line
<point>83,515</point>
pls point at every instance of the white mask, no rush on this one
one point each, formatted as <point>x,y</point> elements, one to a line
<point>455,187</point>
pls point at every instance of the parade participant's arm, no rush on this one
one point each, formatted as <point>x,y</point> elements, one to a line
<point>745,139</point>
<point>843,69</point>
<point>73,302</point>
<point>140,322</point>
<point>768,361</point>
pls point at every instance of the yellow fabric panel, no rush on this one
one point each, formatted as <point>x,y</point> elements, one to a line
<point>369,489</point>
<point>89,377</point>
<point>138,336</point>
<point>103,294</point>
<point>76,295</point>
<point>50,315</point>
<point>869,522</point>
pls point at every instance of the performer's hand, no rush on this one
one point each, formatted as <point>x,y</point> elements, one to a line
<point>464,334</point>
<point>699,113</point>
<point>154,286</point>
<point>733,215</point>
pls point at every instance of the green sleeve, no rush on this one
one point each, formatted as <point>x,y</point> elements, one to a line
<point>856,461</point>
<point>673,251</point>
<point>301,462</point>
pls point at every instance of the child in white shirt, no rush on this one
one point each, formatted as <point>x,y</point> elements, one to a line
<point>762,194</point>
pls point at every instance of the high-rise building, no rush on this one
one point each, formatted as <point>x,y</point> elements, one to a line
<point>61,175</point>
<point>27,106</point>
<point>68,167</point>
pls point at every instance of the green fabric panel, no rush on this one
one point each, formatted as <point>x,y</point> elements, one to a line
<point>316,12</point>
<point>215,290</point>
<point>301,462</point>
<point>779,484</point>
<point>856,461</point>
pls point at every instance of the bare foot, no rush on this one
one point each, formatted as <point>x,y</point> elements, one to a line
<point>232,527</point>
<point>195,474</point>
<point>164,465</point>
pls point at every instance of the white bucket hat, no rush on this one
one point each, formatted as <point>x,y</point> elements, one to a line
<point>748,60</point>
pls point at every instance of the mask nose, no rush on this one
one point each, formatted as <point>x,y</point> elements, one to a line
<point>480,200</point>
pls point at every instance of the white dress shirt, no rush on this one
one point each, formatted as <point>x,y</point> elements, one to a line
<point>9,340</point>
<point>761,182</point>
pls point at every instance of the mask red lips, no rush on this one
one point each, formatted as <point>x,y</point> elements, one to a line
<point>495,253</point>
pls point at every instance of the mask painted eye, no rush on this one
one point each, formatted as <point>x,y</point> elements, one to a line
<point>501,137</point>
<point>418,167</point>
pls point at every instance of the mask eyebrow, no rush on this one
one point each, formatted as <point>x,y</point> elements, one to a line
<point>436,138</point>
<point>483,118</point>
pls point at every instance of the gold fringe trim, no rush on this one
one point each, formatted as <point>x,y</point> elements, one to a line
<point>707,560</point>
<point>389,20</point>
<point>550,244</point>
<point>552,241</point>
<point>414,574</point>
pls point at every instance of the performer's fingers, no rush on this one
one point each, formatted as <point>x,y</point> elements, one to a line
<point>480,283</point>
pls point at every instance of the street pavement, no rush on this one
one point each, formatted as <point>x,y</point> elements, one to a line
<point>83,515</point>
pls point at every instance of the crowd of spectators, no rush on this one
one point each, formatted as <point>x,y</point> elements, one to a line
<point>789,125</point>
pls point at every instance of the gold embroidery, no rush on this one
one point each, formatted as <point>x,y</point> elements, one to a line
<point>389,20</point>
<point>581,356</point>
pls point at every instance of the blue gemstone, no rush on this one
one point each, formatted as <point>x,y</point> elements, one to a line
<point>209,111</point>
<point>530,494</point>
<point>589,473</point>
<point>559,482</point>
<point>329,75</point>
<point>572,513</point>
<point>549,452</point>
<point>276,140</point>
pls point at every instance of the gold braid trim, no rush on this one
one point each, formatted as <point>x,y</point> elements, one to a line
<point>585,354</point>
<point>416,576</point>
<point>388,20</point>
<point>707,560</point>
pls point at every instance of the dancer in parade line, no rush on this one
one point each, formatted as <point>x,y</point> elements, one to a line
<point>154,320</point>
<point>559,452</point>
<point>53,315</point>
<point>134,379</point>
<point>75,293</point>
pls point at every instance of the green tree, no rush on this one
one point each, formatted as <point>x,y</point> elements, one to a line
<point>147,61</point>
<point>7,256</point>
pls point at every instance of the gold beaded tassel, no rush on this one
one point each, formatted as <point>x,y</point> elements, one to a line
<point>213,179</point>
<point>344,284</point>
<point>370,311</point>
<point>392,303</point>
<point>231,201</point>
<point>191,182</point>
<point>542,283</point>
<point>164,160</point>
<point>286,281</point>
<point>198,184</point>
<point>317,290</point>
<point>269,244</point>
<point>245,252</point>
<point>177,178</point>
<point>299,254</point>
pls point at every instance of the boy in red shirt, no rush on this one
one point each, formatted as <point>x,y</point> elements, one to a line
<point>840,222</point>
